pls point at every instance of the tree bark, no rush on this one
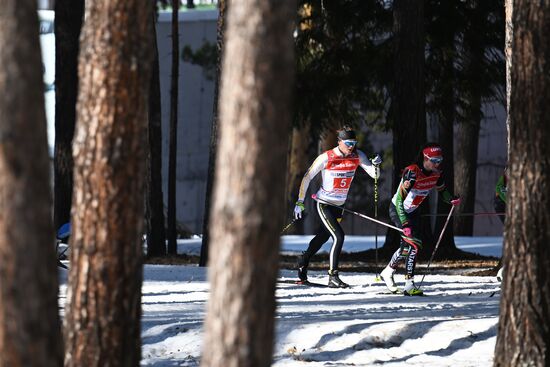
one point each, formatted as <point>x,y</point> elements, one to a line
<point>154,213</point>
<point>249,187</point>
<point>69,15</point>
<point>408,98</point>
<point>30,329</point>
<point>524,332</point>
<point>509,34</point>
<point>468,129</point>
<point>102,325</point>
<point>173,145</point>
<point>222,8</point>
<point>301,143</point>
<point>443,48</point>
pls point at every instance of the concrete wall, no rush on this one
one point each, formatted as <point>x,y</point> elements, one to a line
<point>195,104</point>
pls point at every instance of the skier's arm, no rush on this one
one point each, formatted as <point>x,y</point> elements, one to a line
<point>367,166</point>
<point>407,182</point>
<point>445,194</point>
<point>501,189</point>
<point>318,164</point>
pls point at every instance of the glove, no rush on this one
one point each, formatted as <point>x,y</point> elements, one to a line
<point>377,160</point>
<point>298,209</point>
<point>407,231</point>
<point>455,201</point>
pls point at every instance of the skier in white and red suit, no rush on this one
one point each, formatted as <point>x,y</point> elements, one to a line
<point>417,181</point>
<point>337,167</point>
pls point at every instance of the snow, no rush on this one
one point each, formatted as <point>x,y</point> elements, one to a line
<point>488,246</point>
<point>454,325</point>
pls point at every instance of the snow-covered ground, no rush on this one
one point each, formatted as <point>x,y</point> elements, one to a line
<point>455,325</point>
<point>488,246</point>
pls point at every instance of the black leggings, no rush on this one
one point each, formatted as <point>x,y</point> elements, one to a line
<point>330,227</point>
<point>500,207</point>
<point>408,248</point>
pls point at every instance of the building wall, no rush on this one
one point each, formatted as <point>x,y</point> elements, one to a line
<point>195,104</point>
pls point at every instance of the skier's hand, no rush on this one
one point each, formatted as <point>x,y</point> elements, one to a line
<point>455,201</point>
<point>298,209</point>
<point>377,160</point>
<point>407,231</point>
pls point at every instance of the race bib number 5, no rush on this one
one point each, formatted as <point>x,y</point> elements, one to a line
<point>342,183</point>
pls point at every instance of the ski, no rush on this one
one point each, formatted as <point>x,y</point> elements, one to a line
<point>306,283</point>
<point>388,293</point>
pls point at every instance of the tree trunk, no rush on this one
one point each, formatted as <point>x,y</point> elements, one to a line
<point>446,139</point>
<point>156,235</point>
<point>468,129</point>
<point>249,188</point>
<point>509,5</point>
<point>172,149</point>
<point>104,297</point>
<point>408,97</point>
<point>524,332</point>
<point>445,102</point>
<point>300,144</point>
<point>222,7</point>
<point>68,22</point>
<point>466,173</point>
<point>30,329</point>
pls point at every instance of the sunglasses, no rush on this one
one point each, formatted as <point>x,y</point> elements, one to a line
<point>436,160</point>
<point>350,143</point>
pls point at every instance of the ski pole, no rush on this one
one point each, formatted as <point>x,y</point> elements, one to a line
<point>438,242</point>
<point>314,197</point>
<point>289,225</point>
<point>465,214</point>
<point>377,278</point>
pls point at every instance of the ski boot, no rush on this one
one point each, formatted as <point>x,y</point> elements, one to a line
<point>334,280</point>
<point>411,289</point>
<point>387,277</point>
<point>500,274</point>
<point>302,269</point>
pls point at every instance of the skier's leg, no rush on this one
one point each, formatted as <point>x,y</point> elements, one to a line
<point>411,259</point>
<point>321,236</point>
<point>500,207</point>
<point>410,288</point>
<point>403,250</point>
<point>331,217</point>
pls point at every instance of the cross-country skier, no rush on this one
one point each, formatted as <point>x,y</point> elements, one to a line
<point>500,207</point>
<point>417,181</point>
<point>500,195</point>
<point>337,167</point>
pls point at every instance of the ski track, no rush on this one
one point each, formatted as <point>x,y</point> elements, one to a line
<point>454,325</point>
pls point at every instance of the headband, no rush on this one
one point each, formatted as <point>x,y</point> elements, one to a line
<point>346,135</point>
<point>432,152</point>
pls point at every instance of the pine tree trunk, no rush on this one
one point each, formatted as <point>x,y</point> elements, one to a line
<point>446,139</point>
<point>468,129</point>
<point>156,235</point>
<point>509,5</point>
<point>300,144</point>
<point>102,324</point>
<point>445,96</point>
<point>408,97</point>
<point>250,183</point>
<point>466,173</point>
<point>68,22</point>
<point>30,329</point>
<point>222,7</point>
<point>524,331</point>
<point>173,144</point>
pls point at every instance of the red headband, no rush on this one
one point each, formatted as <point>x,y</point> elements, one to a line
<point>432,152</point>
